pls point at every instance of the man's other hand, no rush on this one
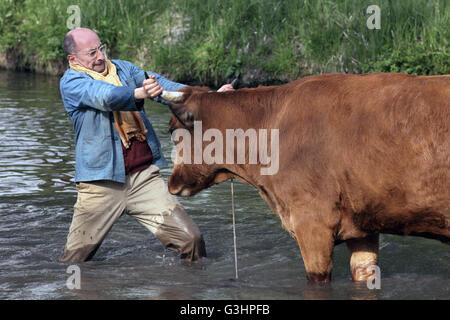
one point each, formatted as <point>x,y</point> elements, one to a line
<point>226,87</point>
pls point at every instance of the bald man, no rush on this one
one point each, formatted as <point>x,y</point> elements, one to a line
<point>117,153</point>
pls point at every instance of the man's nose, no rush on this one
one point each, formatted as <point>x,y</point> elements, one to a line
<point>100,55</point>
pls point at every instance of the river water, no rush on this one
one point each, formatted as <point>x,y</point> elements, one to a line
<point>37,195</point>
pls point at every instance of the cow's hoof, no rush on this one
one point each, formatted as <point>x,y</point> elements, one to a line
<point>318,277</point>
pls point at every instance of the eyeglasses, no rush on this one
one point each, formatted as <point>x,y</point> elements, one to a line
<point>92,53</point>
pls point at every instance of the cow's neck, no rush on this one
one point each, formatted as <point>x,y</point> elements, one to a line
<point>266,189</point>
<point>247,109</point>
<point>244,109</point>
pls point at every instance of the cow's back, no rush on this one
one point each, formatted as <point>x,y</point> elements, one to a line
<point>379,143</point>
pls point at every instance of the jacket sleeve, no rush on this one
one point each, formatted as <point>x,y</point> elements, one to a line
<point>79,91</point>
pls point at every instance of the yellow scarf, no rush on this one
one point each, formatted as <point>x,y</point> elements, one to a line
<point>127,123</point>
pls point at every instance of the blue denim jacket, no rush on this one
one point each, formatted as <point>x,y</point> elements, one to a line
<point>89,103</point>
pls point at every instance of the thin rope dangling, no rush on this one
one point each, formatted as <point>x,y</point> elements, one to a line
<point>234,229</point>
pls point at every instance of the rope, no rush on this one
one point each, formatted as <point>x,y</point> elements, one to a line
<point>234,229</point>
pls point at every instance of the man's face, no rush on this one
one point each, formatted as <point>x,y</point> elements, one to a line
<point>88,53</point>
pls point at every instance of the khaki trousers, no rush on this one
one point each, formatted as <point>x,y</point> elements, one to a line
<point>144,196</point>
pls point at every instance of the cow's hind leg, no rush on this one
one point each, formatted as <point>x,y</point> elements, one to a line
<point>364,253</point>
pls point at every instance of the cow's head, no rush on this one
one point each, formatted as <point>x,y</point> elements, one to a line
<point>190,177</point>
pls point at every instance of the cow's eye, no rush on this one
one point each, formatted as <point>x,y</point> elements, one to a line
<point>171,130</point>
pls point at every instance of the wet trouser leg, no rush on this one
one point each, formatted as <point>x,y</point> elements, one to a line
<point>143,196</point>
<point>99,204</point>
<point>158,210</point>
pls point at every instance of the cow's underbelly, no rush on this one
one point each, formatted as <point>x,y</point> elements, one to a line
<point>426,223</point>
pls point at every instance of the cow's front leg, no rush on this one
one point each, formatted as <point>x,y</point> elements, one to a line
<point>364,253</point>
<point>316,242</point>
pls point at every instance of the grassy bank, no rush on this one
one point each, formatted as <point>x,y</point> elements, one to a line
<point>211,41</point>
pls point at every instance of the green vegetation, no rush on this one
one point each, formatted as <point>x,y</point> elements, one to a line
<point>212,41</point>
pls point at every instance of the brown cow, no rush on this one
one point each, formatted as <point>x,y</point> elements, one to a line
<point>359,155</point>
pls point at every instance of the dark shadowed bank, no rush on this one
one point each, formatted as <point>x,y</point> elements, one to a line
<point>210,42</point>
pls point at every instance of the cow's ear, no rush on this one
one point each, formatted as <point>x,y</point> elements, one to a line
<point>183,115</point>
<point>177,98</point>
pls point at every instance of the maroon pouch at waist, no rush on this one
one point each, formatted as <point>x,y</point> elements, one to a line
<point>137,157</point>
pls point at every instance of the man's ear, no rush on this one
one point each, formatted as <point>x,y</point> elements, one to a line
<point>72,60</point>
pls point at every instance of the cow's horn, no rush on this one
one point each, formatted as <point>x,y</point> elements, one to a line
<point>172,96</point>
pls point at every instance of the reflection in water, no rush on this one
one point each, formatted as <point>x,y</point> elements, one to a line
<point>37,195</point>
<point>36,145</point>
